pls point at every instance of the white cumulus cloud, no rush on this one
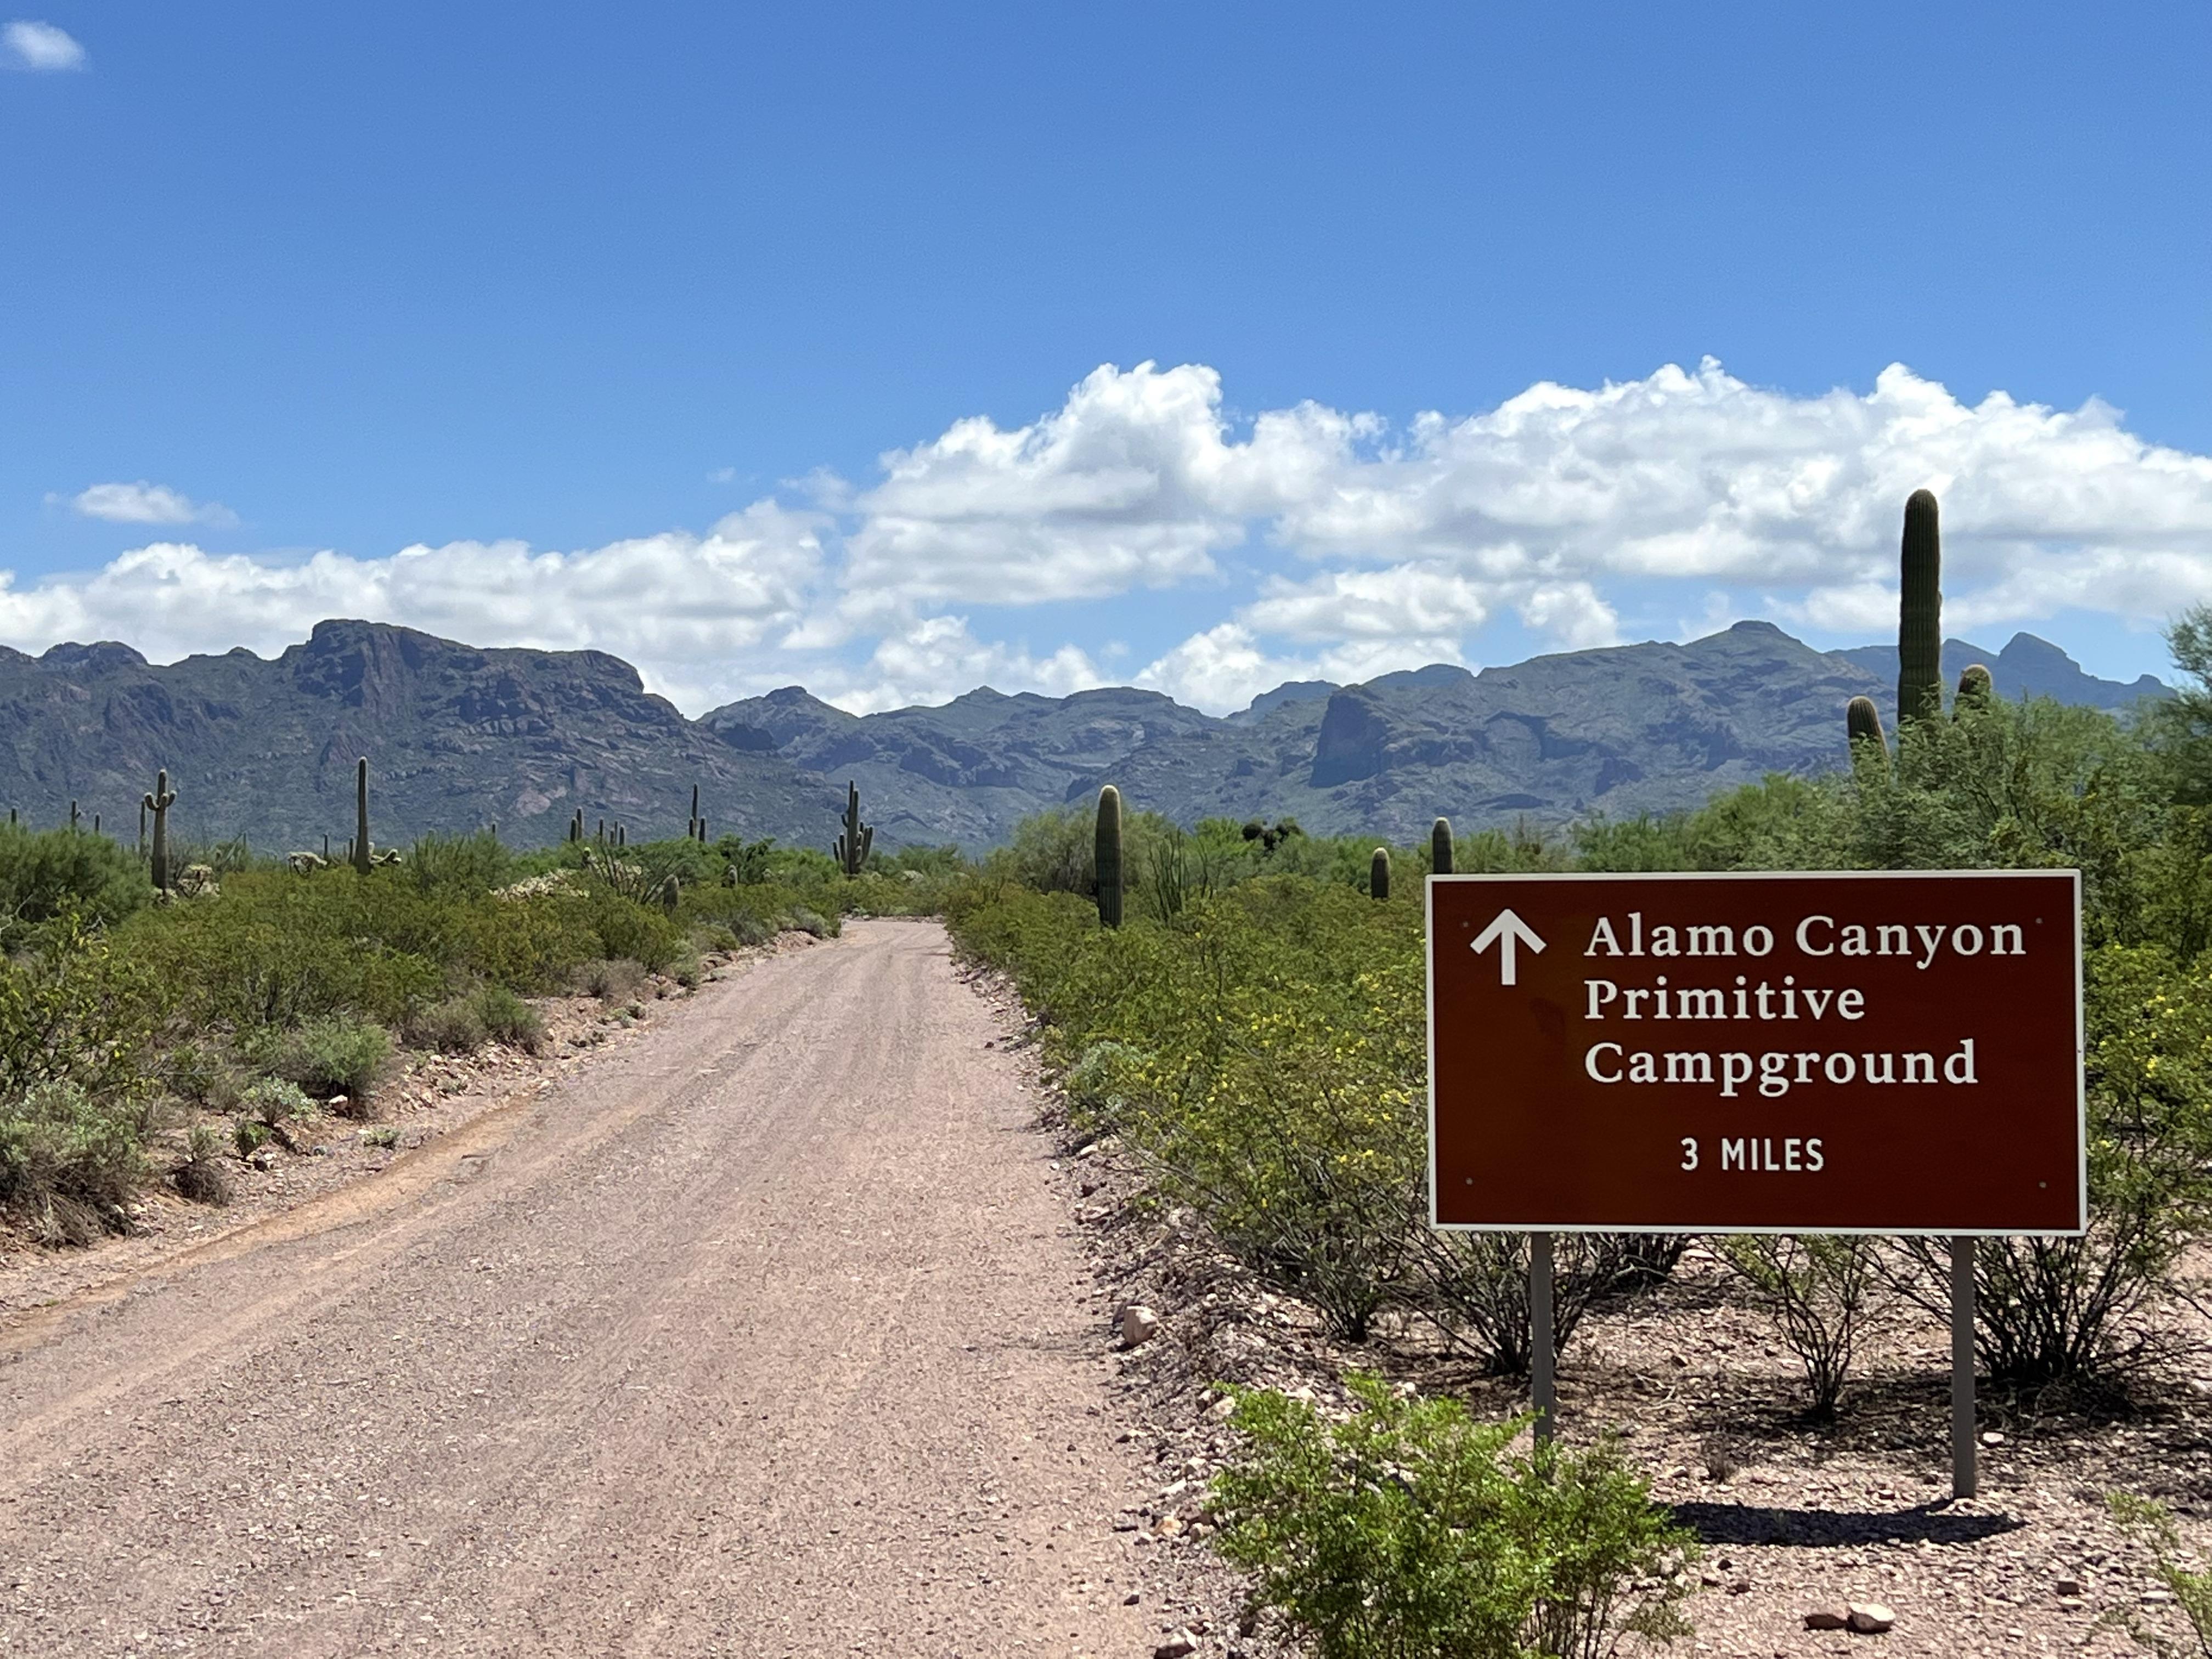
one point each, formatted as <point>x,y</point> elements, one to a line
<point>1302,542</point>
<point>148,503</point>
<point>702,617</point>
<point>39,46</point>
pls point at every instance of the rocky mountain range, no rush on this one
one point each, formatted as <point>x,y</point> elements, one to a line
<point>459,738</point>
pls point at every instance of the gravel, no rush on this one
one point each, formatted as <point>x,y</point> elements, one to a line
<point>763,1334</point>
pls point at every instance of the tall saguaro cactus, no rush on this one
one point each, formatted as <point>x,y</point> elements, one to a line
<point>1920,613</point>
<point>1440,846</point>
<point>361,847</point>
<point>691,830</point>
<point>159,803</point>
<point>859,840</point>
<point>1106,856</point>
<point>1378,874</point>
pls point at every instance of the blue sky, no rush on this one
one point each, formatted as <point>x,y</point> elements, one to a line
<point>617,313</point>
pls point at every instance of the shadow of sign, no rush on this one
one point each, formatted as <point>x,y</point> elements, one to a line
<point>1747,1524</point>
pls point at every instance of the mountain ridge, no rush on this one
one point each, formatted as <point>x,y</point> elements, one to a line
<point>459,736</point>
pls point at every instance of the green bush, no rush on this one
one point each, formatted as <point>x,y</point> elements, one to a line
<point>276,1106</point>
<point>609,979</point>
<point>74,1009</point>
<point>507,1019</point>
<point>1473,1289</point>
<point>2151,1523</point>
<point>469,864</point>
<point>48,874</point>
<point>1818,1288</point>
<point>332,1056</point>
<point>69,1159</point>
<point>452,1027</point>
<point>1411,1531</point>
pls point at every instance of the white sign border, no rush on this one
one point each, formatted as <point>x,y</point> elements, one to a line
<point>2080,1051</point>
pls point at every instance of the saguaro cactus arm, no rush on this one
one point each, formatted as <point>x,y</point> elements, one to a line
<point>1976,688</point>
<point>1440,846</point>
<point>1863,725</point>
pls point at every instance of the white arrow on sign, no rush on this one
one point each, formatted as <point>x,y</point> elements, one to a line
<point>1507,930</point>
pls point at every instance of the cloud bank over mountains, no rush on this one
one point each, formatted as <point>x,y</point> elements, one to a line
<point>1303,543</point>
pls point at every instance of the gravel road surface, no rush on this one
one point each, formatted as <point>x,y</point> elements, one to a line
<point>762,1336</point>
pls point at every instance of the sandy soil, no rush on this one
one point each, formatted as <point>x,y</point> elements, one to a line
<point>765,1335</point>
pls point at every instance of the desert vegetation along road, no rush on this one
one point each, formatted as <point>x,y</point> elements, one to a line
<point>759,1337</point>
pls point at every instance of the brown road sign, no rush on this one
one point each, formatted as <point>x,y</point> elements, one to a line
<point>1834,1053</point>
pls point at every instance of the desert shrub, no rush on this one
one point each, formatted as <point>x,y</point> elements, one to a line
<point>276,1106</point>
<point>615,980</point>
<point>330,1057</point>
<point>275,951</point>
<point>2151,1523</point>
<point>1818,1288</point>
<point>197,1071</point>
<point>473,864</point>
<point>1409,1529</point>
<point>528,944</point>
<point>69,1159</point>
<point>452,1027</point>
<point>2051,1308</point>
<point>716,936</point>
<point>507,1019</point>
<point>1473,1289</point>
<point>626,928</point>
<point>74,1009</point>
<point>805,920</point>
<point>201,1177</point>
<point>47,874</point>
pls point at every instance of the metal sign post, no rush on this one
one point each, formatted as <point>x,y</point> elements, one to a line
<point>1852,1052</point>
<point>1964,1482</point>
<point>1542,1389</point>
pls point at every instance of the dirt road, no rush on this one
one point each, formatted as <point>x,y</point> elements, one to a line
<point>762,1336</point>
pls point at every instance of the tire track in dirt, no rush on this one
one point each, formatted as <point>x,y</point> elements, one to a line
<point>762,1336</point>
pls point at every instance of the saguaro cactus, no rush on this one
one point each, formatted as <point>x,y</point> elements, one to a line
<point>1920,613</point>
<point>142,829</point>
<point>1440,846</point>
<point>159,803</point>
<point>1976,688</point>
<point>74,815</point>
<point>692,823</point>
<point>361,846</point>
<point>577,825</point>
<point>1863,725</point>
<point>1106,857</point>
<point>1378,874</point>
<point>854,846</point>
